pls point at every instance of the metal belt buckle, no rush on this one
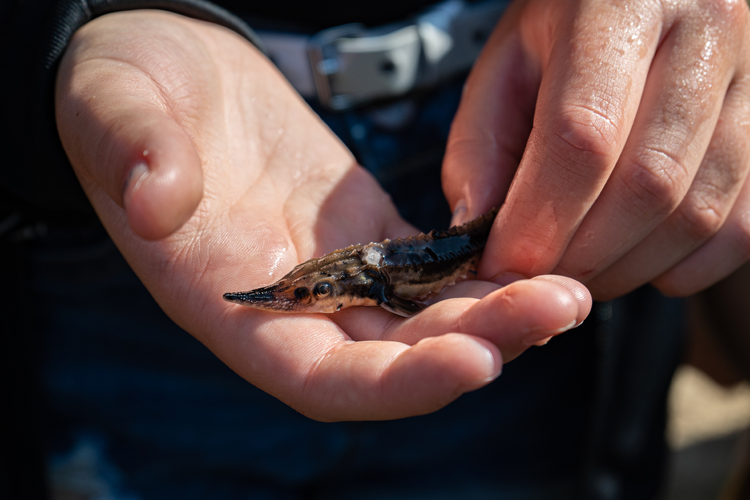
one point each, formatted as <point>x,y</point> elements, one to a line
<point>325,63</point>
<point>352,65</point>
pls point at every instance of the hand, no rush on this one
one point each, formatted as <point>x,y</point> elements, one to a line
<point>212,175</point>
<point>635,168</point>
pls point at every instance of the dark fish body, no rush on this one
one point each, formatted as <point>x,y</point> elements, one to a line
<point>391,274</point>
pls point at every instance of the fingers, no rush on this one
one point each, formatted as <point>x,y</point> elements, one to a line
<point>526,321</point>
<point>711,210</point>
<point>679,110</point>
<point>720,256</point>
<point>588,99</point>
<point>491,126</point>
<point>513,318</point>
<point>311,365</point>
<point>387,380</point>
<point>396,368</point>
<point>597,175</point>
<point>116,128</point>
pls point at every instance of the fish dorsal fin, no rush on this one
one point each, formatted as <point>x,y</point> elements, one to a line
<point>321,262</point>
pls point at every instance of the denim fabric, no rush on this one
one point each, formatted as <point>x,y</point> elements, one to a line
<point>402,144</point>
<point>148,413</point>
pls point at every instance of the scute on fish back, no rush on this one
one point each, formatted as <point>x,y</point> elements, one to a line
<point>392,274</point>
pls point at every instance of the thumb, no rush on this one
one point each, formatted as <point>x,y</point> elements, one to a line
<point>158,175</point>
<point>121,140</point>
<point>491,127</point>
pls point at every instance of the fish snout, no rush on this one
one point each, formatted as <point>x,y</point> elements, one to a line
<point>277,297</point>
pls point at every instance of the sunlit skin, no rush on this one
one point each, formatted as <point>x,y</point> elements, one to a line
<point>232,181</point>
<point>241,183</point>
<point>620,133</point>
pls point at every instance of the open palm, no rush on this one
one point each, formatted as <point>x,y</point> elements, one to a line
<point>212,175</point>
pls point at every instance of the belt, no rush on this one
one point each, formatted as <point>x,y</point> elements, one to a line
<point>352,65</point>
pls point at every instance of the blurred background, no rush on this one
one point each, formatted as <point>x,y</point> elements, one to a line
<point>709,423</point>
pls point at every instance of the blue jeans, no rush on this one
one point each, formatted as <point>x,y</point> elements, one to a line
<point>141,410</point>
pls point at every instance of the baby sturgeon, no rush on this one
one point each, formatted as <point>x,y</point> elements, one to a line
<point>391,274</point>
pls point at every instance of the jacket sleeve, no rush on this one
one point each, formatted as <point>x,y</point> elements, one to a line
<point>34,170</point>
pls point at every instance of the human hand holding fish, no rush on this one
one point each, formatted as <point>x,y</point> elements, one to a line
<point>212,175</point>
<point>617,135</point>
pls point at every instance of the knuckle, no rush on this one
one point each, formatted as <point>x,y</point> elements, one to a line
<point>700,220</point>
<point>586,132</point>
<point>657,181</point>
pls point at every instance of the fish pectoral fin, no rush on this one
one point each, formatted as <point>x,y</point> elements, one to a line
<point>390,302</point>
<point>402,307</point>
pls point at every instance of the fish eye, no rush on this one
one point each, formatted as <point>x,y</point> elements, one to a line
<point>322,289</point>
<point>301,292</point>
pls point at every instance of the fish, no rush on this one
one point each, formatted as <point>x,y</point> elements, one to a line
<point>397,275</point>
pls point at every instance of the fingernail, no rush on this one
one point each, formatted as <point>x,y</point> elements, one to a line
<point>541,337</point>
<point>497,364</point>
<point>506,279</point>
<point>460,214</point>
<point>134,180</point>
<point>543,342</point>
